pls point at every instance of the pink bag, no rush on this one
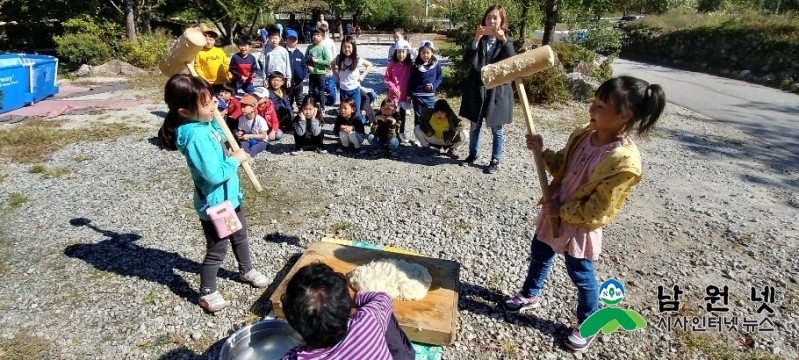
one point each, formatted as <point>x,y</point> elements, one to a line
<point>224,218</point>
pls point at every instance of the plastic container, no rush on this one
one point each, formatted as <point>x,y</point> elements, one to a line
<point>26,79</point>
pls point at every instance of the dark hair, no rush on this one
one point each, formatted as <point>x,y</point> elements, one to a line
<point>442,105</point>
<point>310,100</point>
<point>244,40</point>
<point>317,305</point>
<point>407,60</point>
<point>181,92</point>
<point>273,30</point>
<point>502,16</point>
<point>353,57</point>
<point>351,103</point>
<point>389,102</point>
<point>402,33</point>
<point>228,88</point>
<point>316,31</point>
<point>419,61</point>
<point>323,28</point>
<point>644,101</point>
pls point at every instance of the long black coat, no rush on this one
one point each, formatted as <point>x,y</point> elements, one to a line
<point>496,104</point>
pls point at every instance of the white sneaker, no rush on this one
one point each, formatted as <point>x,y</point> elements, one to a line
<point>213,302</point>
<point>296,152</point>
<point>254,278</point>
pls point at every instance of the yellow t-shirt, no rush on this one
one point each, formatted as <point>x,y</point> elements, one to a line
<point>439,126</point>
<point>212,65</point>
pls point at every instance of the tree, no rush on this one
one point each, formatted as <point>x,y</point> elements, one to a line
<point>226,15</point>
<point>550,20</point>
<point>130,23</point>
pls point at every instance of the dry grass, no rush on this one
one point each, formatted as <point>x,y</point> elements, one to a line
<point>289,206</point>
<point>153,83</point>
<point>25,345</point>
<point>33,141</point>
<point>782,26</point>
<point>15,201</point>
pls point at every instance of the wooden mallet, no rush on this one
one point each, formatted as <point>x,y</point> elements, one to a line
<point>179,60</point>
<point>514,69</point>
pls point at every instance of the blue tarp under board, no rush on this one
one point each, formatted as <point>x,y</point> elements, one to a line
<point>26,79</point>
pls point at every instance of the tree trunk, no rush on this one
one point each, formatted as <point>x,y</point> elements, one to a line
<point>230,27</point>
<point>147,17</point>
<point>550,21</point>
<point>523,23</point>
<point>356,17</point>
<point>130,24</point>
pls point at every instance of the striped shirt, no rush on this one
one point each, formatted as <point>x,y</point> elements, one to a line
<point>366,335</point>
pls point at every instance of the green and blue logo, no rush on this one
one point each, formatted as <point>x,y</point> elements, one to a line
<point>610,318</point>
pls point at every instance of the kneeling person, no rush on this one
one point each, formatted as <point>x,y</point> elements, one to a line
<point>440,127</point>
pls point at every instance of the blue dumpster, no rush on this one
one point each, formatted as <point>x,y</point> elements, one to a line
<point>26,79</point>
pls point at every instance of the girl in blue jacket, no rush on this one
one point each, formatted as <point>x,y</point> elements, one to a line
<point>189,128</point>
<point>426,76</point>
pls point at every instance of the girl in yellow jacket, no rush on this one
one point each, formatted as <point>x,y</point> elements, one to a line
<point>592,177</point>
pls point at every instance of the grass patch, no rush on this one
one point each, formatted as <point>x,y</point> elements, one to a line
<point>462,224</point>
<point>82,158</point>
<point>25,345</point>
<point>4,266</point>
<point>16,200</point>
<point>57,172</point>
<point>778,26</point>
<point>2,177</point>
<point>341,226</point>
<point>286,205</point>
<point>34,141</point>
<point>151,82</point>
<point>149,299</point>
<point>37,169</point>
<point>509,349</point>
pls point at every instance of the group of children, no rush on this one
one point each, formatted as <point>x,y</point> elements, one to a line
<point>592,177</point>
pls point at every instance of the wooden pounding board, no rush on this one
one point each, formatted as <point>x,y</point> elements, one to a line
<point>432,320</point>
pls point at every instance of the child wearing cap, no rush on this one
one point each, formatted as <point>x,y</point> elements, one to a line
<point>252,129</point>
<point>298,70</point>
<point>211,63</point>
<point>275,57</point>
<point>267,111</point>
<point>280,98</point>
<point>243,67</point>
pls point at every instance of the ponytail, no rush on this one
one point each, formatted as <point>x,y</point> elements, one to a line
<point>652,107</point>
<point>168,132</point>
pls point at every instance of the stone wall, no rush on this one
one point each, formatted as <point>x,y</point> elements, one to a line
<point>740,54</point>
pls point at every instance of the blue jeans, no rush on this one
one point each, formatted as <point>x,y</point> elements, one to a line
<point>393,143</point>
<point>248,88</point>
<point>581,272</point>
<point>474,140</point>
<point>420,102</point>
<point>355,95</point>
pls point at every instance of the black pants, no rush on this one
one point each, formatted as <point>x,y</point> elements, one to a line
<point>402,120</point>
<point>316,85</point>
<point>398,344</point>
<point>217,250</point>
<point>295,94</point>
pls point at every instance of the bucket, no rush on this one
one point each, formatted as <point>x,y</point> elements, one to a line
<point>266,339</point>
<point>26,79</point>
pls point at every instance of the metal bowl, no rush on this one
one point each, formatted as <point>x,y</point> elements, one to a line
<point>267,340</point>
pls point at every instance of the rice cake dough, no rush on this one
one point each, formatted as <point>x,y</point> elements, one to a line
<point>398,278</point>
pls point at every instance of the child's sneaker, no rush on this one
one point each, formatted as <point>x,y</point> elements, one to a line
<point>321,151</point>
<point>520,302</point>
<point>577,342</point>
<point>213,302</point>
<point>254,278</point>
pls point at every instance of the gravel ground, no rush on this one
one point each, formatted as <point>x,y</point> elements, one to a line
<point>103,262</point>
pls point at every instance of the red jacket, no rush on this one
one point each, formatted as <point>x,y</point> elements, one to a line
<point>234,109</point>
<point>267,111</point>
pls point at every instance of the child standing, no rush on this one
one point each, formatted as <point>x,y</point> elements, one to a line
<point>319,307</point>
<point>280,98</point>
<point>267,111</point>
<point>349,127</point>
<point>189,128</point>
<point>211,63</point>
<point>592,177</point>
<point>396,78</point>
<point>298,70</point>
<point>252,130</point>
<point>275,57</point>
<point>489,46</point>
<point>347,70</point>
<point>243,67</point>
<point>308,127</point>
<point>426,76</point>
<point>317,59</point>
<point>383,134</point>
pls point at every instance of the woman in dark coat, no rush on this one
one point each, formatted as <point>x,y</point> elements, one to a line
<point>491,44</point>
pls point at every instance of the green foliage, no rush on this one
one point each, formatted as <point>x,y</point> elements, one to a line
<point>390,15</point>
<point>109,32</point>
<point>147,51</point>
<point>82,49</point>
<point>547,87</point>
<point>707,6</point>
<point>570,55</point>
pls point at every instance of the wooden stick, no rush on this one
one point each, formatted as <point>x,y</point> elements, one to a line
<point>234,144</point>
<point>554,222</point>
